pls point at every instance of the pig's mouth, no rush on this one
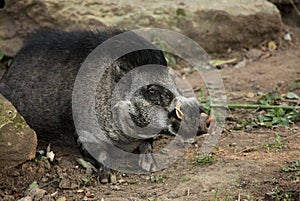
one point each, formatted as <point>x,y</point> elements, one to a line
<point>206,123</point>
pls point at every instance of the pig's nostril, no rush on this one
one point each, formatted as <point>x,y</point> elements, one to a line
<point>211,123</point>
<point>208,124</point>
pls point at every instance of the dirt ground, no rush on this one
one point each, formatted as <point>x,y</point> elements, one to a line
<point>245,165</point>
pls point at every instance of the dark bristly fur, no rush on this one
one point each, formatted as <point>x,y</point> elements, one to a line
<point>40,82</point>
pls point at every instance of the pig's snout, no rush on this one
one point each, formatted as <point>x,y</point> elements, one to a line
<point>207,124</point>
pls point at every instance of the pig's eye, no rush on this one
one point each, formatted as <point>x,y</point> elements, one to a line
<point>153,90</point>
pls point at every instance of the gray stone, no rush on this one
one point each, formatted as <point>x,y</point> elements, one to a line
<point>216,25</point>
<point>17,140</point>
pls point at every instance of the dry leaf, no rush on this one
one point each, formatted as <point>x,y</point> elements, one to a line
<point>250,95</point>
<point>272,45</point>
<point>89,195</point>
<point>50,155</point>
<point>222,62</point>
<point>62,199</point>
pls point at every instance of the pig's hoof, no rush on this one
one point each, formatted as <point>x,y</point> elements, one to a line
<point>105,175</point>
<point>147,162</point>
<point>146,159</point>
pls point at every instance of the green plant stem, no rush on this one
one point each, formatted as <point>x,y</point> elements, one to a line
<point>254,106</point>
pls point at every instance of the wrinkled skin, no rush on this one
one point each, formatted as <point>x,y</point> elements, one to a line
<point>40,82</point>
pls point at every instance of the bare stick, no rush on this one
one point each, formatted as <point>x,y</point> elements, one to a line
<point>295,7</point>
<point>254,106</point>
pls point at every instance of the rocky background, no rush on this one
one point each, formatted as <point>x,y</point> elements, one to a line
<point>215,25</point>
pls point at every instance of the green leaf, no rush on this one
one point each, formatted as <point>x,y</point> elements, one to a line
<point>260,118</point>
<point>217,62</point>
<point>1,56</point>
<point>284,122</point>
<point>85,164</point>
<point>275,120</point>
<point>33,185</point>
<point>9,62</point>
<point>259,93</point>
<point>205,159</point>
<point>292,95</point>
<point>270,114</point>
<point>85,180</point>
<point>279,112</point>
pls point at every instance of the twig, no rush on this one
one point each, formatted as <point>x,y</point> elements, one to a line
<point>291,136</point>
<point>254,106</point>
<point>291,101</point>
<point>295,7</point>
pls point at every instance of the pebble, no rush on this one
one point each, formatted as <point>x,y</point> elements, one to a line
<point>66,184</point>
<point>14,173</point>
<point>113,179</point>
<point>287,37</point>
<point>37,193</point>
<point>62,199</point>
<point>27,198</point>
<point>241,64</point>
<point>115,188</point>
<point>45,179</point>
<point>8,198</point>
<point>233,144</point>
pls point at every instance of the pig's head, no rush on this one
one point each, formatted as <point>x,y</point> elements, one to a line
<point>154,110</point>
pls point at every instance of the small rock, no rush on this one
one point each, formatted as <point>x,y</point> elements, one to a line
<point>89,171</point>
<point>121,181</point>
<point>54,194</point>
<point>64,184</point>
<point>45,179</point>
<point>241,64</point>
<point>233,144</point>
<point>62,199</point>
<point>115,188</point>
<point>27,198</point>
<point>113,179</point>
<point>37,193</point>
<point>73,186</point>
<point>14,173</point>
<point>254,54</point>
<point>8,198</point>
<point>47,165</point>
<point>287,37</point>
<point>250,95</point>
